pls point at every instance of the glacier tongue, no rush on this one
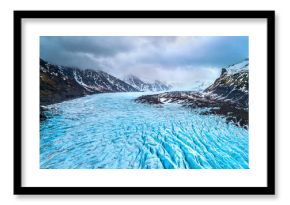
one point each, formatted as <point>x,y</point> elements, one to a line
<point>113,131</point>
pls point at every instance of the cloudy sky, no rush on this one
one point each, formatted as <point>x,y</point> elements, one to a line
<point>176,60</point>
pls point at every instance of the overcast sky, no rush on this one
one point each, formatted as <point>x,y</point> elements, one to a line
<point>177,60</point>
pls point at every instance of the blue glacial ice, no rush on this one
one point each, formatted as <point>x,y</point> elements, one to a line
<point>113,131</point>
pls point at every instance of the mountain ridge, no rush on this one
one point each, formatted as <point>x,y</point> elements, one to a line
<point>60,83</point>
<point>139,84</point>
<point>232,84</point>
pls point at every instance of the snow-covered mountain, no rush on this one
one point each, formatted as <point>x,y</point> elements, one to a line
<point>238,67</point>
<point>144,86</point>
<point>59,83</point>
<point>233,83</point>
<point>159,86</point>
<point>100,81</point>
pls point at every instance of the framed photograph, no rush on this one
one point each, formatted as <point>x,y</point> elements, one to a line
<point>144,102</point>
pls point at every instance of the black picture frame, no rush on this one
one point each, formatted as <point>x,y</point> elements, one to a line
<point>268,190</point>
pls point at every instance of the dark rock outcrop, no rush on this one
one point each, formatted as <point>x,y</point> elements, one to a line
<point>42,113</point>
<point>224,71</point>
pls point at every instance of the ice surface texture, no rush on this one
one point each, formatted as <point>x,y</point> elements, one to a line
<point>112,131</point>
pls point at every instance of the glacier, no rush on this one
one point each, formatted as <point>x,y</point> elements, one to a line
<point>112,131</point>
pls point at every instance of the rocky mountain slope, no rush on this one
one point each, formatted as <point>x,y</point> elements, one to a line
<point>227,96</point>
<point>59,83</point>
<point>232,84</point>
<point>144,86</point>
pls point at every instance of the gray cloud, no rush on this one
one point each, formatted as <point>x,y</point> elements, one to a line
<point>170,58</point>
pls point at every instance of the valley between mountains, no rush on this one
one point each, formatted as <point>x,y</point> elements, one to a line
<point>93,120</point>
<point>227,96</point>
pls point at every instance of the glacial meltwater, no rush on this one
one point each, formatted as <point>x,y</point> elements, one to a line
<point>112,131</point>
